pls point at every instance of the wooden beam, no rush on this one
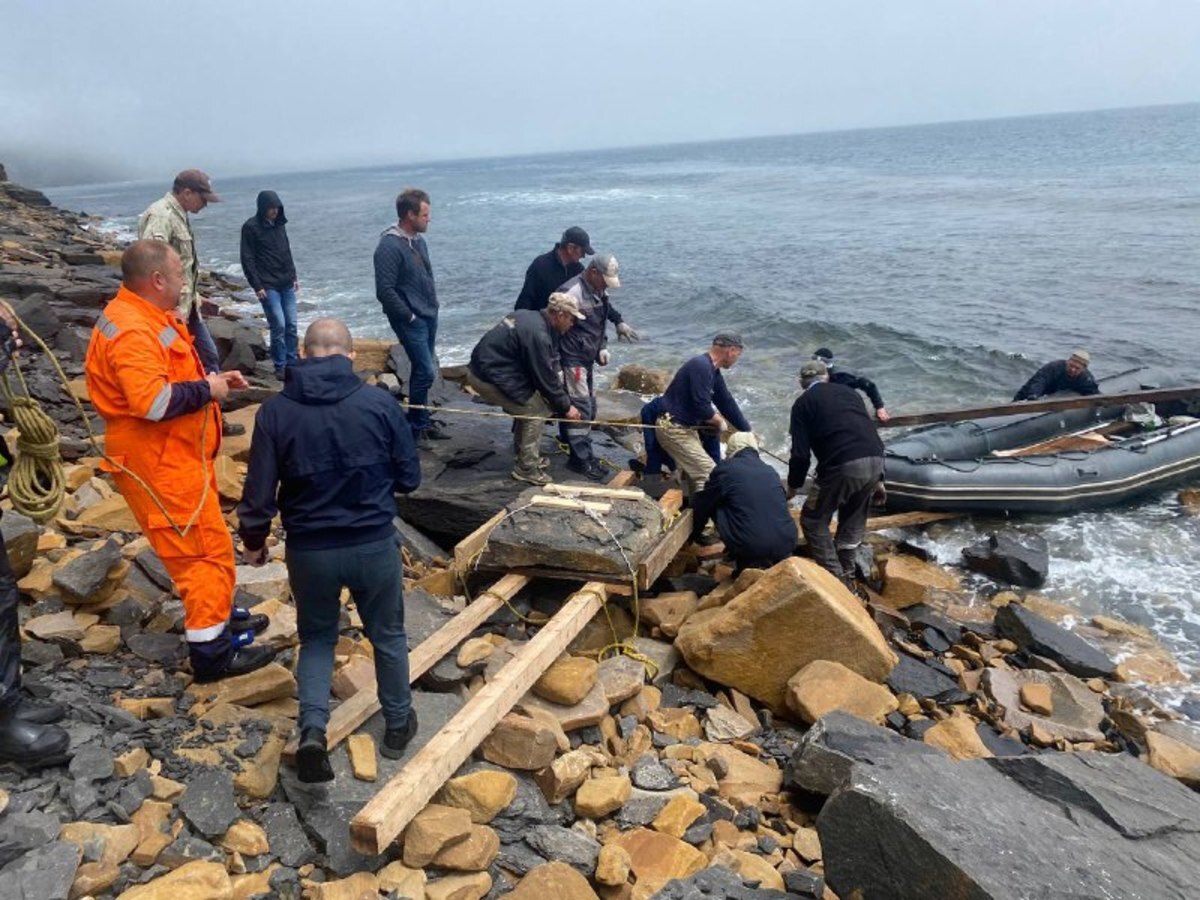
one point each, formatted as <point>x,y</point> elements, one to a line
<point>383,818</point>
<point>907,519</point>
<point>1037,406</point>
<point>588,490</point>
<point>570,503</point>
<point>653,564</point>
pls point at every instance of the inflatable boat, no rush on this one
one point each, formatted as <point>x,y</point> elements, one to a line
<point>1042,463</point>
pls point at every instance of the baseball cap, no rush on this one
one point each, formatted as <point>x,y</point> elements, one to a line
<point>606,265</point>
<point>739,441</point>
<point>564,303</point>
<point>576,235</point>
<point>728,339</point>
<point>199,182</point>
<point>1082,356</point>
<point>824,354</point>
<point>812,369</point>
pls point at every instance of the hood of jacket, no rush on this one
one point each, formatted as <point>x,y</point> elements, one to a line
<point>267,199</point>
<point>321,380</point>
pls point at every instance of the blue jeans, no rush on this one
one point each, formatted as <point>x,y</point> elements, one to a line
<point>418,338</point>
<point>372,573</point>
<point>280,308</point>
<point>206,347</point>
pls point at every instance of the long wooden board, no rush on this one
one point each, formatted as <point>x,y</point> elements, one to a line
<point>1036,406</point>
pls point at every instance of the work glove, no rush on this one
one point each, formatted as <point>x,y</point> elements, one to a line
<point>602,357</point>
<point>626,332</point>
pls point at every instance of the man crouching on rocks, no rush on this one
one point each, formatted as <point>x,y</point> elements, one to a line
<point>330,452</point>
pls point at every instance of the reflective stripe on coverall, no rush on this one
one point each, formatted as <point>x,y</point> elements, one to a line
<point>136,351</point>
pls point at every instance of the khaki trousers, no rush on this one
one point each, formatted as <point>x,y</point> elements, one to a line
<point>527,432</point>
<point>684,445</point>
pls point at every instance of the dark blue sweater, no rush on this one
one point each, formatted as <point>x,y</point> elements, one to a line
<point>404,277</point>
<point>328,453</point>
<point>746,499</point>
<point>696,388</point>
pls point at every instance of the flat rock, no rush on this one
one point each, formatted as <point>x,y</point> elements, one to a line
<point>794,614</point>
<point>208,803</point>
<point>621,677</point>
<point>1175,757</point>
<point>653,855</point>
<point>553,879</point>
<point>910,581</point>
<point>588,711</point>
<point>286,835</point>
<point>670,610</point>
<point>1011,557</point>
<point>567,681</point>
<point>44,873</point>
<point>1037,635</point>
<point>81,579</point>
<point>598,797</point>
<point>1077,710</point>
<point>163,649</point>
<point>723,724</point>
<point>718,882</point>
<point>519,742</point>
<point>823,686</point>
<point>199,880</point>
<point>923,681</point>
<point>554,842</point>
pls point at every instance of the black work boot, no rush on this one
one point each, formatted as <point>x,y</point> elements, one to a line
<point>395,740</point>
<point>39,712</point>
<point>30,744</point>
<point>243,660</point>
<point>242,620</point>
<point>312,757</point>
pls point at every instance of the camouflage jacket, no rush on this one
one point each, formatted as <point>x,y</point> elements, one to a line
<point>166,220</point>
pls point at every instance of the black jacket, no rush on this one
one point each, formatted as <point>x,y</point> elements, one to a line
<point>329,452</point>
<point>1052,378</point>
<point>266,253</point>
<point>519,356</point>
<point>543,278</point>
<point>829,420</point>
<point>746,499</point>
<point>858,383</point>
<point>404,277</point>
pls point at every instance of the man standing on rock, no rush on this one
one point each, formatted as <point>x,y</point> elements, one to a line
<point>516,367</point>
<point>268,266</point>
<point>404,288</point>
<point>830,421</point>
<point>163,428</point>
<point>585,346</point>
<point>698,398</point>
<point>550,270</point>
<point>27,733</point>
<point>329,454</point>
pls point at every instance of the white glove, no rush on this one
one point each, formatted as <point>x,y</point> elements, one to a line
<point>625,332</point>
<point>602,357</point>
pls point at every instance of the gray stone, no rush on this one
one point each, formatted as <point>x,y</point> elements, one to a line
<point>1040,636</point>
<point>40,653</point>
<point>423,615</point>
<point>804,883</point>
<point>1077,712</point>
<point>83,576</point>
<point>20,540</point>
<point>208,803</point>
<point>518,857</point>
<point>286,836</point>
<point>640,811</point>
<point>554,842</point>
<point>419,546</point>
<point>1010,556</point>
<point>651,775</point>
<point>911,676</point>
<point>716,883</point>
<point>44,873</point>
<point>187,848</point>
<point>1054,825</point>
<point>20,832</point>
<point>330,825</point>
<point>528,810</point>
<point>150,563</point>
<point>163,649</point>
<point>91,763</point>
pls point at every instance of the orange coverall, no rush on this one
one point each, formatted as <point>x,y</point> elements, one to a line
<point>136,352</point>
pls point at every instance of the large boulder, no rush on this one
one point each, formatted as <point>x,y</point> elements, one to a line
<point>1037,635</point>
<point>794,614</point>
<point>1054,825</point>
<point>1011,557</point>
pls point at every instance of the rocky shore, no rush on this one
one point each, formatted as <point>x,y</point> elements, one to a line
<point>772,736</point>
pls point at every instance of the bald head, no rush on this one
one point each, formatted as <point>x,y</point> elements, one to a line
<point>327,337</point>
<point>152,270</point>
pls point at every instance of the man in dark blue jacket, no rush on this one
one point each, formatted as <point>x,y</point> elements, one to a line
<point>745,498</point>
<point>404,288</point>
<point>329,453</point>
<point>268,266</point>
<point>550,270</point>
<point>850,380</point>
<point>1070,374</point>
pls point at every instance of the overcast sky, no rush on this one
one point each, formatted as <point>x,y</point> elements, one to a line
<point>134,89</point>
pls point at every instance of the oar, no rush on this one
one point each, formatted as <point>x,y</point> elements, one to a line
<point>1037,406</point>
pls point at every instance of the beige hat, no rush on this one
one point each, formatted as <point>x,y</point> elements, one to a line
<point>606,265</point>
<point>739,441</point>
<point>564,303</point>
<point>1082,356</point>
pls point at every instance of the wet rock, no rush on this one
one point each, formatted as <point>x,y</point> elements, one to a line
<point>911,676</point>
<point>1011,557</point>
<point>1037,635</point>
<point>44,873</point>
<point>566,845</point>
<point>84,577</point>
<point>209,804</point>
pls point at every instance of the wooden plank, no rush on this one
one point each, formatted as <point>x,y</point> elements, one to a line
<point>570,503</point>
<point>665,550</point>
<point>1060,444</point>
<point>588,490</point>
<point>905,520</point>
<point>382,820</point>
<point>1037,406</point>
<point>469,547</point>
<point>352,713</point>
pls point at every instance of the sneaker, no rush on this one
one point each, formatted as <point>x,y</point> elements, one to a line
<point>395,740</point>
<point>312,757</point>
<point>591,469</point>
<point>243,620</point>
<point>535,477</point>
<point>245,659</point>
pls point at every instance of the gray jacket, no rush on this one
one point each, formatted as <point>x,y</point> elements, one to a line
<point>583,343</point>
<point>404,276</point>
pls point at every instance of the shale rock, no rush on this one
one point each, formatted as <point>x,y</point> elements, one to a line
<point>1010,557</point>
<point>1040,636</point>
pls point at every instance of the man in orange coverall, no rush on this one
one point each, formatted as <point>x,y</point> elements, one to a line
<point>163,429</point>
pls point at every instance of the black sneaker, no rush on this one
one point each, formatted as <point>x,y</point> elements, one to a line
<point>591,469</point>
<point>312,759</point>
<point>245,659</point>
<point>395,740</point>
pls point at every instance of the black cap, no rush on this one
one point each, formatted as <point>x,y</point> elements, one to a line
<point>728,339</point>
<point>579,237</point>
<point>824,353</point>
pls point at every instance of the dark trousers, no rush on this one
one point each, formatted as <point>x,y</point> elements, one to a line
<point>10,637</point>
<point>373,573</point>
<point>206,347</point>
<point>846,490</point>
<point>418,338</point>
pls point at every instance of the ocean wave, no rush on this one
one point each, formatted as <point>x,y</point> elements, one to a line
<point>561,198</point>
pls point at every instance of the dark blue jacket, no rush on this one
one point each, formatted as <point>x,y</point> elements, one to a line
<point>696,388</point>
<point>328,452</point>
<point>543,277</point>
<point>745,497</point>
<point>1052,378</point>
<point>404,277</point>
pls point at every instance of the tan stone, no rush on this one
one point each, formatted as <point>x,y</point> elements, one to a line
<point>258,883</point>
<point>958,737</point>
<point>260,774</point>
<point>724,724</point>
<point>563,777</point>
<point>745,779</point>
<point>678,815</point>
<point>542,714</point>
<point>553,881</point>
<point>621,677</point>
<point>130,761</point>
<point>148,707</point>
<point>641,704</point>
<point>518,742</point>
<point>38,582</point>
<point>677,722</point>
<point>264,684</point>
<point>1174,757</point>
<point>824,685</point>
<point>150,817</point>
<point>434,829</point>
<point>589,711</point>
<point>118,841</point>
<point>612,865</point>
<point>363,763</point>
<point>909,581</point>
<point>601,796</point>
<point>198,880</point>
<point>102,639</point>
<point>725,833</point>
<point>149,848</point>
<point>230,477</point>
<point>669,611</point>
<point>474,650</point>
<point>246,837</point>
<point>358,673</point>
<point>93,878</point>
<point>568,680</point>
<point>795,613</point>
<point>473,854</point>
<point>753,867</point>
<point>162,788</point>
<point>807,844</point>
<point>654,855</point>
<point>359,886</point>
<point>1150,666</point>
<point>405,882</point>
<point>483,794</point>
<point>472,886</point>
<point>57,626</point>
<point>1037,699</point>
